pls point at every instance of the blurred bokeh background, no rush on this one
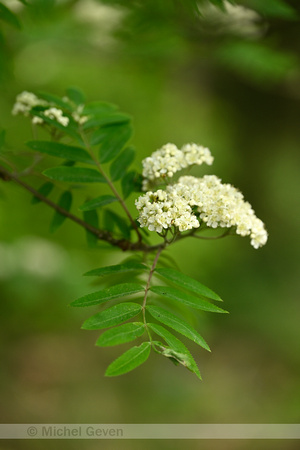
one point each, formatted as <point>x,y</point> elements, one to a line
<point>186,71</point>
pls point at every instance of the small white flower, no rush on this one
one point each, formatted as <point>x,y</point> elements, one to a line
<point>25,102</point>
<point>57,114</point>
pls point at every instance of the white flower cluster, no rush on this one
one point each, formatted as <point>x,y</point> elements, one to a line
<point>27,100</point>
<point>168,160</point>
<point>192,200</point>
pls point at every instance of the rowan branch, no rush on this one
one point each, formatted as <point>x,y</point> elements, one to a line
<point>100,234</point>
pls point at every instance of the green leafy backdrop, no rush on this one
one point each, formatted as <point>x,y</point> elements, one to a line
<point>179,81</point>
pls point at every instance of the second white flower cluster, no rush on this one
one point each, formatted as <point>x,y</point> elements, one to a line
<point>190,201</point>
<point>168,160</point>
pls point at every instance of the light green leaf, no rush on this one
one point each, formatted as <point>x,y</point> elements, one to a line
<point>116,269</point>
<point>121,163</point>
<point>61,150</point>
<point>177,324</point>
<point>176,345</point>
<point>45,190</point>
<point>188,283</point>
<point>120,335</point>
<point>74,175</point>
<point>91,217</point>
<point>65,201</point>
<point>97,202</point>
<point>75,95</point>
<point>119,290</point>
<point>9,17</point>
<point>112,316</point>
<point>112,139</point>
<point>187,299</point>
<point>131,359</point>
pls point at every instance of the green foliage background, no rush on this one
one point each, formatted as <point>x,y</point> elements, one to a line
<point>181,82</point>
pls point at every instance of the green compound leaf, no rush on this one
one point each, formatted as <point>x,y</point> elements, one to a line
<point>188,283</point>
<point>75,95</point>
<point>177,346</point>
<point>118,268</point>
<point>45,190</point>
<point>65,201</point>
<point>129,360</point>
<point>98,202</point>
<point>112,316</point>
<point>120,335</point>
<point>121,163</point>
<point>91,217</point>
<point>74,174</point>
<point>9,17</point>
<point>187,299</point>
<point>177,324</point>
<point>61,150</point>
<point>96,298</point>
<point>112,139</point>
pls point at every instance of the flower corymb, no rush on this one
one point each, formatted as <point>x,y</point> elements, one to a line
<point>192,202</point>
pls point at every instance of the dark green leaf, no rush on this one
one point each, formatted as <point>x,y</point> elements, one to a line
<point>112,316</point>
<point>98,108</point>
<point>45,190</point>
<point>131,182</point>
<point>274,8</point>
<point>120,335</point>
<point>2,138</point>
<point>61,150</point>
<point>74,175</point>
<point>111,218</point>
<point>91,217</point>
<point>106,119</point>
<point>65,202</point>
<point>119,290</point>
<point>9,17</point>
<point>54,100</point>
<point>97,202</point>
<point>112,139</point>
<point>187,299</point>
<point>177,324</point>
<point>178,346</point>
<point>75,95</point>
<point>131,359</point>
<point>121,163</point>
<point>127,184</point>
<point>188,283</point>
<point>119,268</point>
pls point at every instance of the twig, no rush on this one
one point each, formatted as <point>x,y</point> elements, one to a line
<point>100,234</point>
